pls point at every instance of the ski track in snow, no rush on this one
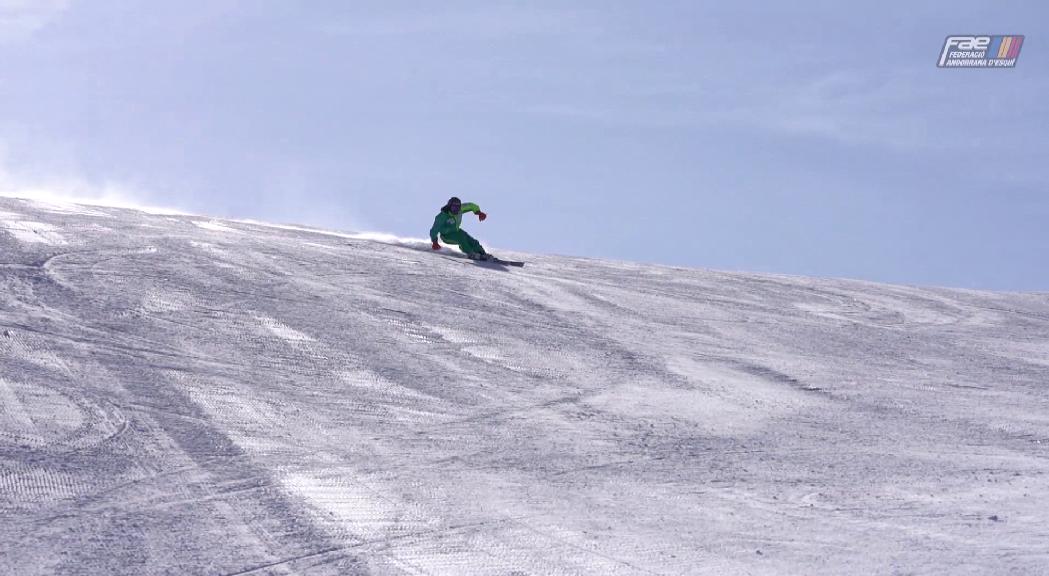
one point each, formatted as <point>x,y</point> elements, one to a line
<point>33,232</point>
<point>191,396</point>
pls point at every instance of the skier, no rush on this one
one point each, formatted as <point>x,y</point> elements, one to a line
<point>447,225</point>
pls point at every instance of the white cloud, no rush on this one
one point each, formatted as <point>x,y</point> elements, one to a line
<point>19,19</point>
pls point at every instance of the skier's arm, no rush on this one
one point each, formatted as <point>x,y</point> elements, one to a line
<point>471,207</point>
<point>437,222</point>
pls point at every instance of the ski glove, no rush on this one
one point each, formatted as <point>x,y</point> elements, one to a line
<point>436,246</point>
<point>481,216</point>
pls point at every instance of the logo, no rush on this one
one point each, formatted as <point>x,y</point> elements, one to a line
<point>980,51</point>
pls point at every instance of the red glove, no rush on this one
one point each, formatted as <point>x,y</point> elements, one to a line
<point>436,246</point>
<point>481,216</point>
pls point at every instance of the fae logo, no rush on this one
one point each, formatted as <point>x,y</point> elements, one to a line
<point>980,51</point>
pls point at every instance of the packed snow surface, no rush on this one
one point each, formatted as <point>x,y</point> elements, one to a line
<point>182,395</point>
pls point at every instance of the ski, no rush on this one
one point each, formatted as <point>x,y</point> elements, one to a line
<point>463,259</point>
<point>495,260</point>
<point>491,259</point>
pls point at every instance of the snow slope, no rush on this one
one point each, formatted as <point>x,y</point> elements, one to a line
<point>181,395</point>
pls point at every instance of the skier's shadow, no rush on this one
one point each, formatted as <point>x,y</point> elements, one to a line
<point>493,265</point>
<point>458,257</point>
<point>464,259</point>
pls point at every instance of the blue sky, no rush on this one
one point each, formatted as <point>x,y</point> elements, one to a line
<point>813,138</point>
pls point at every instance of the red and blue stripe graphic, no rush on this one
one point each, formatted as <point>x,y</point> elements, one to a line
<point>1005,47</point>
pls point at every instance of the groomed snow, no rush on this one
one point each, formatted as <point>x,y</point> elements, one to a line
<point>188,396</point>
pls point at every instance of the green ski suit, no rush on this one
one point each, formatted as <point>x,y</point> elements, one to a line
<point>447,225</point>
